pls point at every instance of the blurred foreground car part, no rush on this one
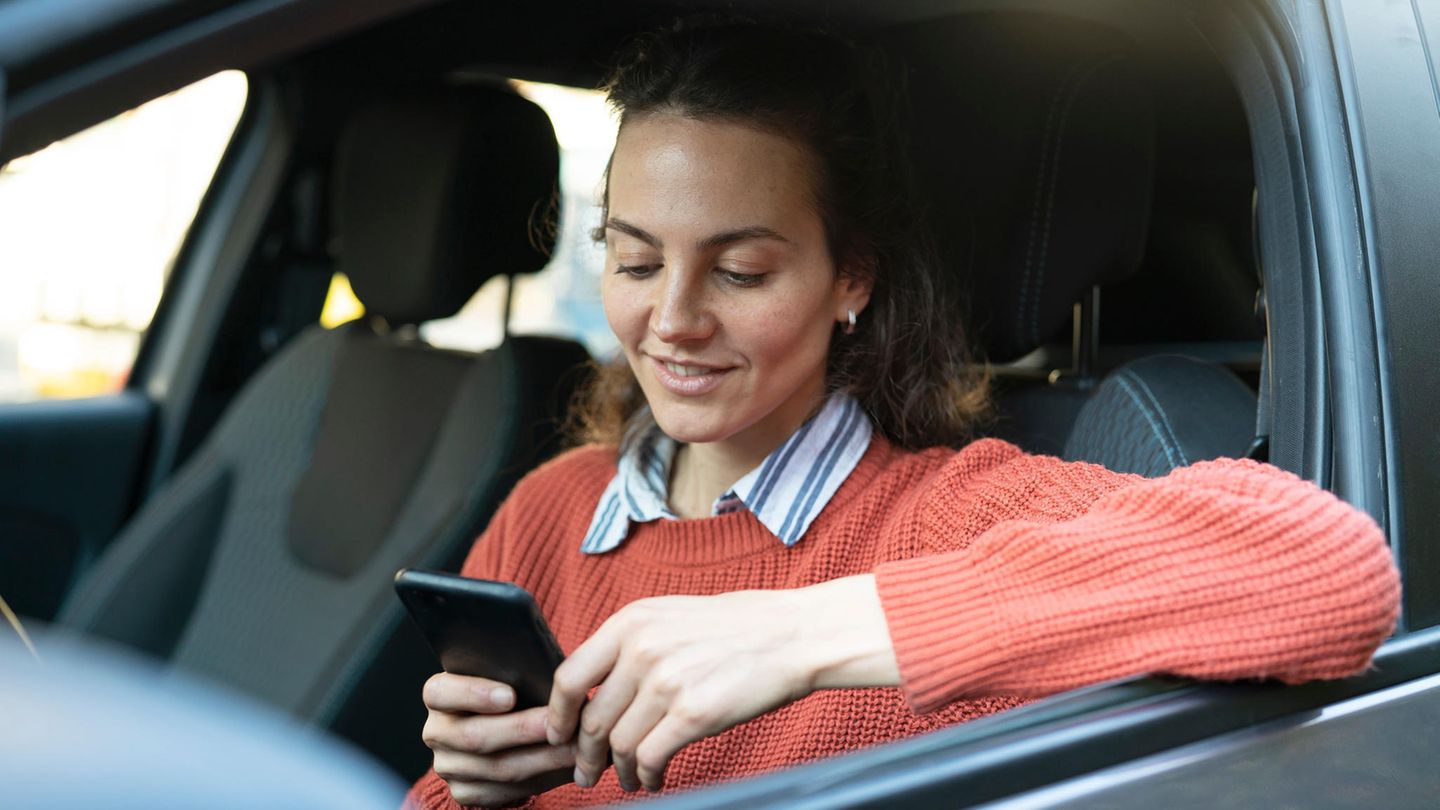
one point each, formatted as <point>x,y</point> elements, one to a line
<point>87,725</point>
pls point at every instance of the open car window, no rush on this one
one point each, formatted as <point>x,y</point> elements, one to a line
<point>89,227</point>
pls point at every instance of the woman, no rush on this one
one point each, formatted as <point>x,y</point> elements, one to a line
<point>790,402</point>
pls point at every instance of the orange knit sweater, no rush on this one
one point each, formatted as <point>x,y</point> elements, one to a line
<point>1003,576</point>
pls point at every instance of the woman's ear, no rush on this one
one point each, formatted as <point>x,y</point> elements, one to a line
<point>852,292</point>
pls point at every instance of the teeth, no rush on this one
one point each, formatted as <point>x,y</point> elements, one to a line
<point>685,371</point>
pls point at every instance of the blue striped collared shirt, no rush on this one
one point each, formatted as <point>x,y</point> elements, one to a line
<point>786,492</point>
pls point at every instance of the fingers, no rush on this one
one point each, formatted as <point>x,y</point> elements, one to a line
<point>592,743</point>
<point>585,668</point>
<point>461,693</point>
<point>654,753</point>
<point>514,766</point>
<point>483,734</point>
<point>630,730</point>
<point>496,794</point>
<point>488,794</point>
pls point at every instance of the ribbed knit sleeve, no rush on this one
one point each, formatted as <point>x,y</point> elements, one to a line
<point>1051,575</point>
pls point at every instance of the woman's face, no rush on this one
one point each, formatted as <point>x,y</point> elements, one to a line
<point>718,280</point>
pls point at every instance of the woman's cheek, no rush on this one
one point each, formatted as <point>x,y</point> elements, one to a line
<point>790,332</point>
<point>622,312</point>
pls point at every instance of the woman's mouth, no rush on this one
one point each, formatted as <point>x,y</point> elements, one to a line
<point>687,380</point>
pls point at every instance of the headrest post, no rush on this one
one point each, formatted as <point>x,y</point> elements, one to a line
<point>1085,344</point>
<point>509,301</point>
<point>1260,446</point>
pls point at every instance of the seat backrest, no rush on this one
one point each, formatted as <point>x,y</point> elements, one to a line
<point>1041,136</point>
<point>266,563</point>
<point>1157,413</point>
<point>1036,143</point>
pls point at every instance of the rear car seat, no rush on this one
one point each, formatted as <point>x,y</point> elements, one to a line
<point>1037,138</point>
<point>266,562</point>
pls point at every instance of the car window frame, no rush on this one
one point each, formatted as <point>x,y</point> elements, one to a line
<point>1388,71</point>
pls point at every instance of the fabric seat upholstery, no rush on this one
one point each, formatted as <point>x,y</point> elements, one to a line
<point>1048,135</point>
<point>1161,412</point>
<point>266,562</point>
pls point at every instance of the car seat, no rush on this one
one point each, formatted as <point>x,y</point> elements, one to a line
<point>1037,138</point>
<point>266,562</point>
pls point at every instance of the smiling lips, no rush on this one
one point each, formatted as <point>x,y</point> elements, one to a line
<point>687,380</point>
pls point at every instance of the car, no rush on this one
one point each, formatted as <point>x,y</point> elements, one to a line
<point>1193,228</point>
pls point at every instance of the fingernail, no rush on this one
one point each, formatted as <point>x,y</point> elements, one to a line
<point>580,778</point>
<point>551,735</point>
<point>626,785</point>
<point>501,697</point>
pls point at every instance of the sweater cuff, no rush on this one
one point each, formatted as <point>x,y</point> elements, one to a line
<point>944,626</point>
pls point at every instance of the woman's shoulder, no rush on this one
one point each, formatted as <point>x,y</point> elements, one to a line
<point>994,478</point>
<point>576,471</point>
<point>966,463</point>
<point>547,506</point>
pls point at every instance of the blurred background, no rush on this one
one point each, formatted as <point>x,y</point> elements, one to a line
<point>73,311</point>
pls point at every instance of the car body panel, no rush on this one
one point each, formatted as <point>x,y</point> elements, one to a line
<point>1377,750</point>
<point>1388,67</point>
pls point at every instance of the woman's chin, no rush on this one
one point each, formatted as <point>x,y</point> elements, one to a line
<point>689,433</point>
<point>710,425</point>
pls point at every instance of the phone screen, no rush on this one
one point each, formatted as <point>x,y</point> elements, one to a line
<point>484,629</point>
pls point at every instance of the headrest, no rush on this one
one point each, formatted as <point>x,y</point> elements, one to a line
<point>435,191</point>
<point>1034,147</point>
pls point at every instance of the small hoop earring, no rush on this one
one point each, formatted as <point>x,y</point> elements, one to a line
<point>850,327</point>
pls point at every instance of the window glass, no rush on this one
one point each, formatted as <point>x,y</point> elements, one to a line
<point>564,298</point>
<point>89,227</point>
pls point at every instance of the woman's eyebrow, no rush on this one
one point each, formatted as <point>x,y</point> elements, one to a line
<point>709,242</point>
<point>639,233</point>
<point>740,235</point>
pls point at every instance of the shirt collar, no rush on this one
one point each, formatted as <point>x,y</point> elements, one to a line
<point>786,492</point>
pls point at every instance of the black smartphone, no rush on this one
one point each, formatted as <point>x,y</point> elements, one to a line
<point>484,629</point>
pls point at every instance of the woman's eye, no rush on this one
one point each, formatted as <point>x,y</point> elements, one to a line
<point>636,270</point>
<point>740,279</point>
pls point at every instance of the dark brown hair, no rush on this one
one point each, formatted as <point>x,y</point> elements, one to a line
<point>907,361</point>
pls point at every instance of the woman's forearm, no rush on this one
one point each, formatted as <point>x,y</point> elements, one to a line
<point>846,643</point>
<point>1223,570</point>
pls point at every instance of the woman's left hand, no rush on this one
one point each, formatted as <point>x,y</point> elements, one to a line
<point>676,669</point>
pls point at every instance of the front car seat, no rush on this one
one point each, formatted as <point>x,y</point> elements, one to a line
<point>266,562</point>
<point>1045,136</point>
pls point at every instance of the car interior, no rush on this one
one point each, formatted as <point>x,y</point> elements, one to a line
<point>1085,168</point>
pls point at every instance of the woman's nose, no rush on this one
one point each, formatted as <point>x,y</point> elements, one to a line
<point>680,313</point>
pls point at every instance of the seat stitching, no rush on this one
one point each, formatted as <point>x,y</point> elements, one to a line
<point>1164,419</point>
<point>1035,207</point>
<point>1149,418</point>
<point>1094,68</point>
<point>1167,437</point>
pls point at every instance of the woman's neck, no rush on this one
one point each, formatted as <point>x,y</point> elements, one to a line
<point>701,473</point>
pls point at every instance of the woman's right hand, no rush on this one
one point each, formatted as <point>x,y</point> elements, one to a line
<point>487,754</point>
